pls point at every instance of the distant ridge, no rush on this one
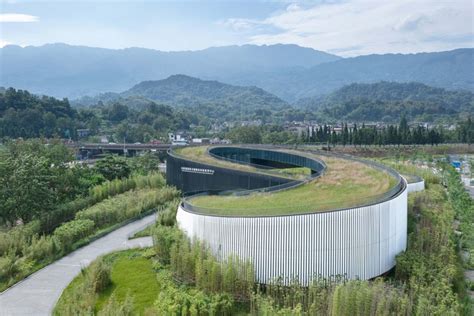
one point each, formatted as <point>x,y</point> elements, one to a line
<point>73,71</point>
<point>288,71</point>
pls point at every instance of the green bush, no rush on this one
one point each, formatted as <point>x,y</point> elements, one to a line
<point>115,308</point>
<point>98,193</point>
<point>127,205</point>
<point>100,275</point>
<point>41,248</point>
<point>8,266</point>
<point>73,231</point>
<point>163,239</point>
<point>18,238</point>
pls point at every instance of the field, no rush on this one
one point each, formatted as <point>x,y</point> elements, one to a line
<point>345,183</point>
<point>131,274</point>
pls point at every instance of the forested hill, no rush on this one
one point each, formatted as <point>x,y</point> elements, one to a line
<point>450,70</point>
<point>26,115</point>
<point>386,101</point>
<point>210,98</point>
<point>183,90</point>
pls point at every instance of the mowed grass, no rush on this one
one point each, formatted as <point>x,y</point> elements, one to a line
<point>346,183</point>
<point>132,273</point>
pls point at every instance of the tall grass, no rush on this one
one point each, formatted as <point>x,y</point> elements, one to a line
<point>97,194</point>
<point>23,250</point>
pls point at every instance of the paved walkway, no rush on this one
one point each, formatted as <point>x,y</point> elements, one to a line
<point>37,294</point>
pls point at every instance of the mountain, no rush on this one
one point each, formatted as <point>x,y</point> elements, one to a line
<point>387,101</point>
<point>212,99</point>
<point>450,70</point>
<point>288,71</point>
<point>73,71</point>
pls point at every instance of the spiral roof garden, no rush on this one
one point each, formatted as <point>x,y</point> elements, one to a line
<point>342,182</point>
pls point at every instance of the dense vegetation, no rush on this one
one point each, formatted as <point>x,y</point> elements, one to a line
<point>428,277</point>
<point>464,208</point>
<point>49,207</point>
<point>139,119</point>
<point>25,115</point>
<point>387,101</point>
<point>356,135</point>
<point>211,99</point>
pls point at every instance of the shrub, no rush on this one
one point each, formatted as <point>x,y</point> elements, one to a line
<point>18,238</point>
<point>8,266</point>
<point>41,248</point>
<point>126,206</point>
<point>163,239</point>
<point>72,231</point>
<point>115,308</point>
<point>100,275</point>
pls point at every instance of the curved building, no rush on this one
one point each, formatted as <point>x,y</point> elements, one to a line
<point>414,183</point>
<point>305,238</point>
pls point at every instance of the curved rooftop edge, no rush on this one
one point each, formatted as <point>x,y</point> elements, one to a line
<point>194,176</point>
<point>414,183</point>
<point>229,181</point>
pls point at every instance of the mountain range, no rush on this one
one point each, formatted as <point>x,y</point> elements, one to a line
<point>381,101</point>
<point>288,71</point>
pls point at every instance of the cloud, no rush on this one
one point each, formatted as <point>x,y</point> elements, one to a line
<point>359,27</point>
<point>16,17</point>
<point>4,43</point>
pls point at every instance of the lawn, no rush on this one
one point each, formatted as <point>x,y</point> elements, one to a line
<point>131,273</point>
<point>346,183</point>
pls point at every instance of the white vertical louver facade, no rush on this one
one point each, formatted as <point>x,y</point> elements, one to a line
<point>359,242</point>
<point>416,186</point>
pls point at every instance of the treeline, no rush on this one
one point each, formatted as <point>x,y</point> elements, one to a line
<point>356,135</point>
<point>390,135</point>
<point>26,115</point>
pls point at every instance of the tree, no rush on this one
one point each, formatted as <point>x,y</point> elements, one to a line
<point>113,167</point>
<point>25,187</point>
<point>245,135</point>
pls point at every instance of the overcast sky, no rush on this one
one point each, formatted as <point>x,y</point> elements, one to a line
<point>345,28</point>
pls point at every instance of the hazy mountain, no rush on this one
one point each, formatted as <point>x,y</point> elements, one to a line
<point>387,101</point>
<point>73,71</point>
<point>450,70</point>
<point>288,71</point>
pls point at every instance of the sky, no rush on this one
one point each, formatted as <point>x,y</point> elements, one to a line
<point>342,27</point>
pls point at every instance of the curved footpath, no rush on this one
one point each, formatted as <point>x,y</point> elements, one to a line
<point>37,294</point>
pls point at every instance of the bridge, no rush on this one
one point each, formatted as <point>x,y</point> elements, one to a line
<point>93,149</point>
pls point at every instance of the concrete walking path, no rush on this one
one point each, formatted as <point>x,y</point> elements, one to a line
<point>37,294</point>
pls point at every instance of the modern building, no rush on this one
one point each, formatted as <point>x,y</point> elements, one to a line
<point>276,208</point>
